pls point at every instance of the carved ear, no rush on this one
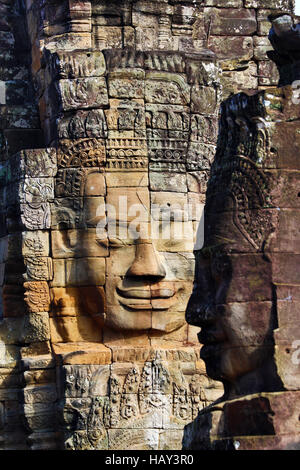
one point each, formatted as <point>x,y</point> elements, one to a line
<point>72,237</point>
<point>64,236</point>
<point>69,238</point>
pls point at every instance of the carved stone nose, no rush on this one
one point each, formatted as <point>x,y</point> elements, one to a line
<point>146,262</point>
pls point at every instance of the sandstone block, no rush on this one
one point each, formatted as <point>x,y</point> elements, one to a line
<point>179,266</point>
<point>204,129</point>
<point>168,181</point>
<point>224,3</point>
<point>196,207</point>
<point>197,183</point>
<point>43,376</point>
<point>69,42</point>
<point>69,65</point>
<point>284,4</point>
<point>125,115</point>
<point>9,379</point>
<point>82,93</point>
<point>233,47</point>
<point>13,301</point>
<point>119,265</point>
<point>166,88</point>
<point>75,243</point>
<point>82,353</point>
<point>175,237</point>
<point>81,213</point>
<point>261,46</point>
<point>39,163</point>
<point>121,179</point>
<point>286,136</point>
<point>10,330</point>
<point>38,269</point>
<point>268,73</point>
<point>231,21</point>
<point>37,297</point>
<point>146,439</point>
<point>170,439</point>
<point>285,268</point>
<point>85,381</point>
<point>263,24</point>
<point>77,301</point>
<point>40,416</point>
<point>78,272</point>
<point>71,329</point>
<point>35,328</point>
<point>40,394</point>
<point>240,80</point>
<point>126,87</point>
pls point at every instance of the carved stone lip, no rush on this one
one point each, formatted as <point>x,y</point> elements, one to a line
<point>211,336</point>
<point>142,293</point>
<point>147,298</point>
<point>146,304</point>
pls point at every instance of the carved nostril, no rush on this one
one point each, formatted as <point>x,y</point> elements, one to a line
<point>146,263</point>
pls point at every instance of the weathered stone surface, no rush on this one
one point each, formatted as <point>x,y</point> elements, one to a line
<point>263,24</point>
<point>82,93</point>
<point>233,47</point>
<point>168,181</point>
<point>36,296</point>
<point>240,80</point>
<point>43,376</point>
<point>231,22</point>
<point>78,272</point>
<point>35,328</point>
<point>204,100</point>
<point>82,353</point>
<point>75,301</point>
<point>69,65</point>
<point>71,329</point>
<point>85,381</point>
<point>268,74</point>
<point>10,331</point>
<point>224,3</point>
<point>40,416</point>
<point>41,394</point>
<point>38,269</point>
<point>261,46</point>
<point>126,87</point>
<point>77,244</point>
<point>281,4</point>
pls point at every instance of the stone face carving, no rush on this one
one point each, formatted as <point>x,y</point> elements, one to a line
<point>285,39</point>
<point>142,291</point>
<point>237,298</point>
<point>106,254</point>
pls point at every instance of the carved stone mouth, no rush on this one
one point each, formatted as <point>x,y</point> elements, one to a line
<point>147,299</point>
<point>135,293</point>
<point>211,336</point>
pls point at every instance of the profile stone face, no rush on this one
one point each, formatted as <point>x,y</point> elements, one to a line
<point>244,272</point>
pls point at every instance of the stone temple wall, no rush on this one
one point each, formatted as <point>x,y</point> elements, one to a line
<point>101,100</point>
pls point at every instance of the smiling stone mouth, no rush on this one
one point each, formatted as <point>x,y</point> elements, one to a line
<point>147,299</point>
<point>209,337</point>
